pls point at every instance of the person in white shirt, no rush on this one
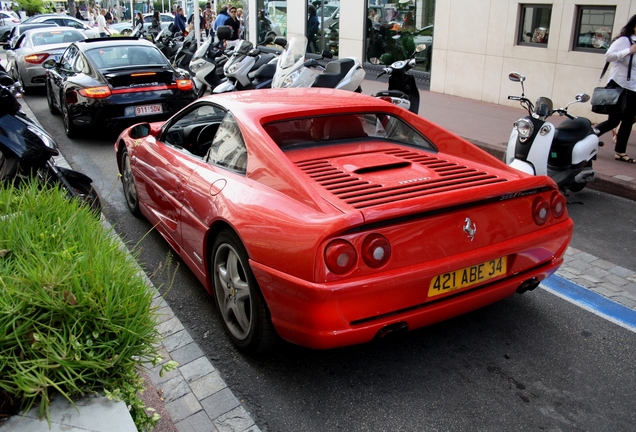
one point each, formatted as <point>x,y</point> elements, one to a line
<point>102,26</point>
<point>622,74</point>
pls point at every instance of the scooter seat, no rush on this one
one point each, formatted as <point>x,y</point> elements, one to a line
<point>573,130</point>
<point>261,60</point>
<point>334,72</point>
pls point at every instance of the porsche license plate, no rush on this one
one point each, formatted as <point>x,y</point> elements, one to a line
<point>148,109</point>
<point>458,279</point>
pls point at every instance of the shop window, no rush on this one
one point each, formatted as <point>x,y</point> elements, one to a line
<point>534,27</point>
<point>395,30</point>
<point>593,31</point>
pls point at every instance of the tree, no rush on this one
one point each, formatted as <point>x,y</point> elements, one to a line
<point>31,7</point>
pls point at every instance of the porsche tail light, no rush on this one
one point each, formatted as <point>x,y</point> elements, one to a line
<point>340,256</point>
<point>185,84</point>
<point>376,250</point>
<point>540,211</point>
<point>36,58</point>
<point>557,205</point>
<point>96,92</point>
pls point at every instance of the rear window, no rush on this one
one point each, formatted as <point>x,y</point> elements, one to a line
<point>125,56</point>
<point>326,130</point>
<point>56,36</point>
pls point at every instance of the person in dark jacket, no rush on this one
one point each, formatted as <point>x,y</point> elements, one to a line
<point>313,25</point>
<point>233,22</point>
<point>180,20</point>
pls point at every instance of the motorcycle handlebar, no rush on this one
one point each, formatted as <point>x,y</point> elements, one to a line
<point>380,74</point>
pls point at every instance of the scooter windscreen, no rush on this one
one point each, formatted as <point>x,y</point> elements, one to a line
<point>293,52</point>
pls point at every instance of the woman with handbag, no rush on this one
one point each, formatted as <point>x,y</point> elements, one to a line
<point>623,68</point>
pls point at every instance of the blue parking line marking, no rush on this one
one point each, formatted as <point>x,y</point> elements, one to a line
<point>591,301</point>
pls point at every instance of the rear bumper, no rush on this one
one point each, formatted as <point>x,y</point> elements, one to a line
<point>118,111</point>
<point>330,315</point>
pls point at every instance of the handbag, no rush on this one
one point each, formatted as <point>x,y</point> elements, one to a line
<point>612,98</point>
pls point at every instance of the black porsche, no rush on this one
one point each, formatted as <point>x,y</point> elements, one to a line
<point>113,83</point>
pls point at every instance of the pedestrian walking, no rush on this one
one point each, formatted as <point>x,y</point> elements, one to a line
<point>313,25</point>
<point>233,22</point>
<point>102,25</point>
<point>221,18</point>
<point>180,20</point>
<point>208,18</point>
<point>622,74</point>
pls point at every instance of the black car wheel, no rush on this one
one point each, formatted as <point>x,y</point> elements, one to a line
<point>237,296</point>
<point>128,183</point>
<point>69,127</point>
<point>49,100</point>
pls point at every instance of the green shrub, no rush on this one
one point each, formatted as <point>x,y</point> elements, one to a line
<point>75,312</point>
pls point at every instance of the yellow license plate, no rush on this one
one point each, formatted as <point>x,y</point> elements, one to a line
<point>467,276</point>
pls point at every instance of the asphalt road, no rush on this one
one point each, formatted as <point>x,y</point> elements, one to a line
<point>530,362</point>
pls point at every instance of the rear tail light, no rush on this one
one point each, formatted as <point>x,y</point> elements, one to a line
<point>340,256</point>
<point>376,250</point>
<point>557,205</point>
<point>185,84</point>
<point>96,92</point>
<point>36,58</point>
<point>540,211</point>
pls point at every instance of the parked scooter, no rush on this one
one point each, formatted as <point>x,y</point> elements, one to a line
<point>294,71</point>
<point>403,89</point>
<point>168,41</point>
<point>27,153</point>
<point>185,52</point>
<point>207,62</point>
<point>244,60</point>
<point>564,152</point>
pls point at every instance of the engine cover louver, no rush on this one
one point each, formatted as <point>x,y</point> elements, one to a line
<point>395,175</point>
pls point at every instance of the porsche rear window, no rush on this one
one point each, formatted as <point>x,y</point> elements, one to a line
<point>325,130</point>
<point>125,56</point>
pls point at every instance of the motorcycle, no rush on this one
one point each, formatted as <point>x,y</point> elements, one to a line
<point>27,151</point>
<point>294,71</point>
<point>564,153</point>
<point>168,41</point>
<point>208,60</point>
<point>185,52</point>
<point>244,60</point>
<point>402,90</point>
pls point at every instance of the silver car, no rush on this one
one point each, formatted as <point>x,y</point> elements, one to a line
<point>126,27</point>
<point>33,47</point>
<point>65,21</point>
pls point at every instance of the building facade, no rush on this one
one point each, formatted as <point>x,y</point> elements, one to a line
<point>558,45</point>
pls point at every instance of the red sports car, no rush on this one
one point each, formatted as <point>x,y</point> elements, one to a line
<point>331,218</point>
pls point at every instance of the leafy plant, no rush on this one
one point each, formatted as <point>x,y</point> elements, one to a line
<point>31,7</point>
<point>76,315</point>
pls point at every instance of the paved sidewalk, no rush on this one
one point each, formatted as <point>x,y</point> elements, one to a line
<point>197,397</point>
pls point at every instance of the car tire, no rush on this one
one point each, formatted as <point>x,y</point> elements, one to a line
<point>69,128</point>
<point>238,298</point>
<point>49,100</point>
<point>128,184</point>
<point>25,89</point>
<point>126,32</point>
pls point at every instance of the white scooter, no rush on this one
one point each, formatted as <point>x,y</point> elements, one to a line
<point>244,60</point>
<point>293,70</point>
<point>564,152</point>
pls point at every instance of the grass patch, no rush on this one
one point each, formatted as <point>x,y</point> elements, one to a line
<point>76,315</point>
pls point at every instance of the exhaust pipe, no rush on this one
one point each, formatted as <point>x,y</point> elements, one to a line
<point>392,330</point>
<point>528,285</point>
